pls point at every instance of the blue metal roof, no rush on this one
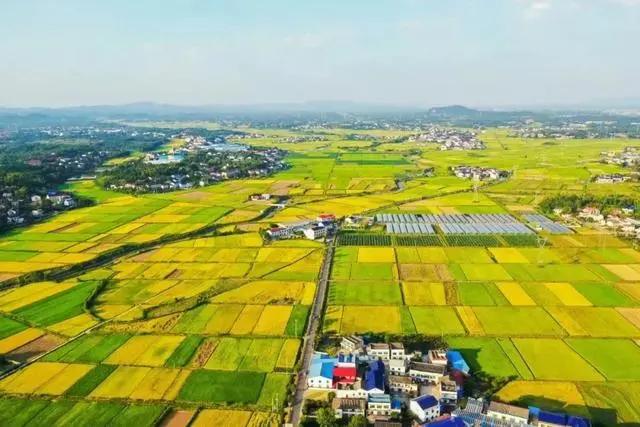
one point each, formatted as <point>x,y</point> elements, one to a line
<point>374,377</point>
<point>451,422</point>
<point>578,421</point>
<point>322,366</point>
<point>346,358</point>
<point>457,361</point>
<point>551,417</point>
<point>396,403</point>
<point>379,398</point>
<point>426,401</point>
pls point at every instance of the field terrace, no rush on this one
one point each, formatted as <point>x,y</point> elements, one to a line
<point>198,323</point>
<point>563,318</point>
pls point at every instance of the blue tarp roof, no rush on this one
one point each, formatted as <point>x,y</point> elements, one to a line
<point>552,417</point>
<point>346,358</point>
<point>451,422</point>
<point>426,401</point>
<point>374,377</point>
<point>578,421</point>
<point>457,361</point>
<point>322,366</point>
<point>396,403</point>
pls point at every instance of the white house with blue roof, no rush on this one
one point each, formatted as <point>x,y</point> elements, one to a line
<point>426,408</point>
<point>374,378</point>
<point>321,371</point>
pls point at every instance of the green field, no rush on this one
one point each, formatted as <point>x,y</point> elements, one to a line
<point>219,387</point>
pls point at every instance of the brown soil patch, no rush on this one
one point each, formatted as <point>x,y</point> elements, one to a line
<point>204,353</point>
<point>177,419</point>
<point>35,348</point>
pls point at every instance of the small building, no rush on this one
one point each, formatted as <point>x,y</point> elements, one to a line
<point>279,232</point>
<point>344,376</point>
<point>374,378</point>
<point>348,407</point>
<point>426,408</point>
<point>260,197</point>
<point>352,344</point>
<point>383,405</point>
<point>457,362</point>
<point>321,372</point>
<point>381,423</point>
<point>316,232</point>
<point>379,350</point>
<point>36,199</point>
<point>448,392</point>
<point>447,422</point>
<point>397,350</point>
<point>551,419</point>
<point>402,384</point>
<point>346,360</point>
<point>509,413</point>
<point>426,371</point>
<point>326,218</point>
<point>397,367</point>
<point>437,357</point>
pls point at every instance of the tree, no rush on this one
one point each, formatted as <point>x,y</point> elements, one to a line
<point>326,417</point>
<point>358,421</point>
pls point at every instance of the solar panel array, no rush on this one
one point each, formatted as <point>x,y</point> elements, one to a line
<point>452,224</point>
<point>401,228</point>
<point>547,224</point>
<point>445,218</point>
<point>485,228</point>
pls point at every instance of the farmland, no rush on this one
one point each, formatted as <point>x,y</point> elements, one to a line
<point>191,315</point>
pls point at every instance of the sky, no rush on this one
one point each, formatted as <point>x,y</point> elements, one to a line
<point>423,53</point>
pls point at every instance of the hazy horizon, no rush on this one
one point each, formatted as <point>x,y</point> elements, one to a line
<point>410,53</point>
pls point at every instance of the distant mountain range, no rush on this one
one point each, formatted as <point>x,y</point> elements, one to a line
<point>330,110</point>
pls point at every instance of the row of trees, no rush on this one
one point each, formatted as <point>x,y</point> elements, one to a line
<point>573,203</point>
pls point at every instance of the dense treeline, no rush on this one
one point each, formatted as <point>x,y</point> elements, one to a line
<point>573,203</point>
<point>139,176</point>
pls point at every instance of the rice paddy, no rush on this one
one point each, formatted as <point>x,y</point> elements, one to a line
<point>214,319</point>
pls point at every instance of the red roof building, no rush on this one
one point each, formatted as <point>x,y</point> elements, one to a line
<point>344,376</point>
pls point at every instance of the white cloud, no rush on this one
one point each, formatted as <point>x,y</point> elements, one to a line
<point>536,8</point>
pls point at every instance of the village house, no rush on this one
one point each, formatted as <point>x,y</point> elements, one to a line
<point>279,232</point>
<point>344,376</point>
<point>352,344</point>
<point>379,350</point>
<point>426,408</point>
<point>321,372</point>
<point>382,406</point>
<point>510,413</point>
<point>260,197</point>
<point>397,366</point>
<point>437,357</point>
<point>591,213</point>
<point>316,232</point>
<point>551,419</point>
<point>402,384</point>
<point>397,350</point>
<point>348,407</point>
<point>426,371</point>
<point>374,378</point>
<point>448,391</point>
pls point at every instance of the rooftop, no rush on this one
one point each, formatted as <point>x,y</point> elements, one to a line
<point>503,408</point>
<point>349,403</point>
<point>379,398</point>
<point>396,346</point>
<point>378,346</point>
<point>397,379</point>
<point>427,367</point>
<point>449,422</point>
<point>427,401</point>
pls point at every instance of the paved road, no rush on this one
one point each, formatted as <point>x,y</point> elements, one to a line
<point>310,334</point>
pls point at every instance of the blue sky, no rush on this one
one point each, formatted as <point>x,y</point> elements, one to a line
<point>407,52</point>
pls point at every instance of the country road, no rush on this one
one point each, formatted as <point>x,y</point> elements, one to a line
<point>312,328</point>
